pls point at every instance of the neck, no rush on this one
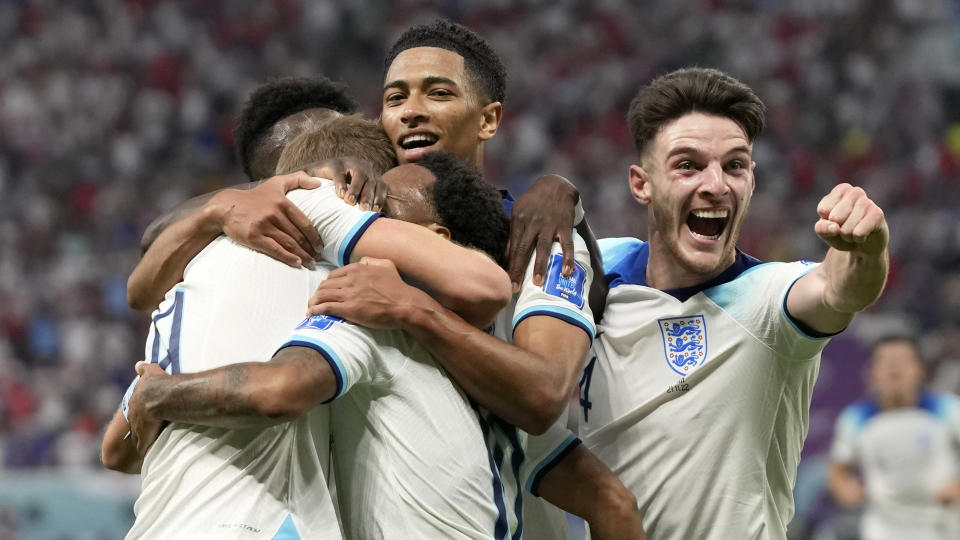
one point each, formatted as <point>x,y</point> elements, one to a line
<point>665,272</point>
<point>896,401</point>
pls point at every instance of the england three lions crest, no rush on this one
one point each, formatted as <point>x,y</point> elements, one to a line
<point>684,342</point>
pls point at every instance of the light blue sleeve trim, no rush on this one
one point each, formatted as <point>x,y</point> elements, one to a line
<point>300,340</point>
<point>125,402</point>
<point>550,460</point>
<point>568,315</point>
<point>350,240</point>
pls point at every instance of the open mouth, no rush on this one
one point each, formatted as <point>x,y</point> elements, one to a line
<point>418,140</point>
<point>708,224</point>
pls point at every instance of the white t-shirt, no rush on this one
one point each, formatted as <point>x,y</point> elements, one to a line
<point>905,456</point>
<point>236,305</point>
<point>698,398</point>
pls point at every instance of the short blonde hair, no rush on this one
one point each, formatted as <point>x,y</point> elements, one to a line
<point>342,136</point>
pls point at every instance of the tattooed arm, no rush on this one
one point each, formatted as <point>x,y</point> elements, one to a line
<point>249,394</point>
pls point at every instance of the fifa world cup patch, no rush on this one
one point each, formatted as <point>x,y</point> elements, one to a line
<point>319,322</point>
<point>568,288</point>
<point>684,342</point>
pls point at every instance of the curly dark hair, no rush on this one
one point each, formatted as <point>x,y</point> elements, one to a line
<point>279,98</point>
<point>695,89</point>
<point>467,205</point>
<point>483,66</point>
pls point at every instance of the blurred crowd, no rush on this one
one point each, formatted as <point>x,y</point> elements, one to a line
<point>112,112</point>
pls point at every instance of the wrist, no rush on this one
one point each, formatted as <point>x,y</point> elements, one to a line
<point>213,214</point>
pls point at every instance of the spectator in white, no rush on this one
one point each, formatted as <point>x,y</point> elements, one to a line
<point>904,443</point>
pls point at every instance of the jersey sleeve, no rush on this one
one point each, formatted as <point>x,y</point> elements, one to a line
<point>565,298</point>
<point>339,224</point>
<point>543,453</point>
<point>843,450</point>
<point>757,301</point>
<point>349,349</point>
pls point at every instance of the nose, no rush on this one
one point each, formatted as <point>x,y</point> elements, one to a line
<point>714,181</point>
<point>413,113</point>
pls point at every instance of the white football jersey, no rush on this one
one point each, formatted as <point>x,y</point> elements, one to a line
<point>565,298</point>
<point>237,305</point>
<point>698,398</point>
<point>905,456</point>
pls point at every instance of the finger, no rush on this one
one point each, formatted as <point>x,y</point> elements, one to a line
<point>312,242</point>
<point>841,210</point>
<point>566,244</point>
<point>324,308</point>
<point>380,263</point>
<point>519,255</point>
<point>828,202</point>
<point>306,233</point>
<point>348,270</point>
<point>358,180</point>
<point>140,368</point>
<point>285,225</point>
<point>294,180</point>
<point>270,247</point>
<point>282,236</point>
<point>341,282</point>
<point>380,201</point>
<point>368,195</point>
<point>544,243</point>
<point>826,229</point>
<point>872,222</point>
<point>857,214</point>
<point>322,296</point>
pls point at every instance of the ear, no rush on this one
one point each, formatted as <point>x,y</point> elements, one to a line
<point>490,117</point>
<point>640,184</point>
<point>439,229</point>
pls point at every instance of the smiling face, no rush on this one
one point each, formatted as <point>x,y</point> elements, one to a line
<point>697,180</point>
<point>430,103</point>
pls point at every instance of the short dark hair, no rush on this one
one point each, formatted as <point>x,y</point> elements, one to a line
<point>897,338</point>
<point>467,205</point>
<point>277,99</point>
<point>339,137</point>
<point>482,64</point>
<point>687,90</point>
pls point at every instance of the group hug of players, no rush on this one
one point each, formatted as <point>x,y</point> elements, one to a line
<point>480,375</point>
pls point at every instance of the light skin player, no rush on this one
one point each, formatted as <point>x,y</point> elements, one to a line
<point>896,380</point>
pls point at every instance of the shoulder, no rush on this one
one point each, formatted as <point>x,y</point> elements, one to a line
<point>856,415</point>
<point>624,260</point>
<point>942,405</point>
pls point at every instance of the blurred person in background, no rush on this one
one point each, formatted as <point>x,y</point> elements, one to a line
<point>896,453</point>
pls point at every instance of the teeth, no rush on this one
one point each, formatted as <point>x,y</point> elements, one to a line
<point>698,235</point>
<point>711,213</point>
<point>418,137</point>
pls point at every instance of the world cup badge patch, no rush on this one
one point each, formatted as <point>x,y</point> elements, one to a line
<point>569,288</point>
<point>684,342</point>
<point>319,322</point>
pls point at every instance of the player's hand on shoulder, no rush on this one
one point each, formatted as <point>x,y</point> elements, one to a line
<point>367,293</point>
<point>355,179</point>
<point>851,221</point>
<point>264,220</point>
<point>144,427</point>
<point>541,215</point>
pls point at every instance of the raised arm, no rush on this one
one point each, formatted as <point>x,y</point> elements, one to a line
<point>854,270</point>
<point>527,385</point>
<point>262,218</point>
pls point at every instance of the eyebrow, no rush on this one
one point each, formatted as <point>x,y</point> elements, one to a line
<point>692,150</point>
<point>427,81</point>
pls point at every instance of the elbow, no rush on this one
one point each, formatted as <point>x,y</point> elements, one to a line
<point>285,397</point>
<point>480,300</point>
<point>117,460</point>
<point>138,297</point>
<point>544,407</point>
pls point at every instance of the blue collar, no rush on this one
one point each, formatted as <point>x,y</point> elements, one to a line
<point>507,200</point>
<point>632,270</point>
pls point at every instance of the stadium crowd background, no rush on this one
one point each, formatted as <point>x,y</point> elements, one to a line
<point>112,112</point>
